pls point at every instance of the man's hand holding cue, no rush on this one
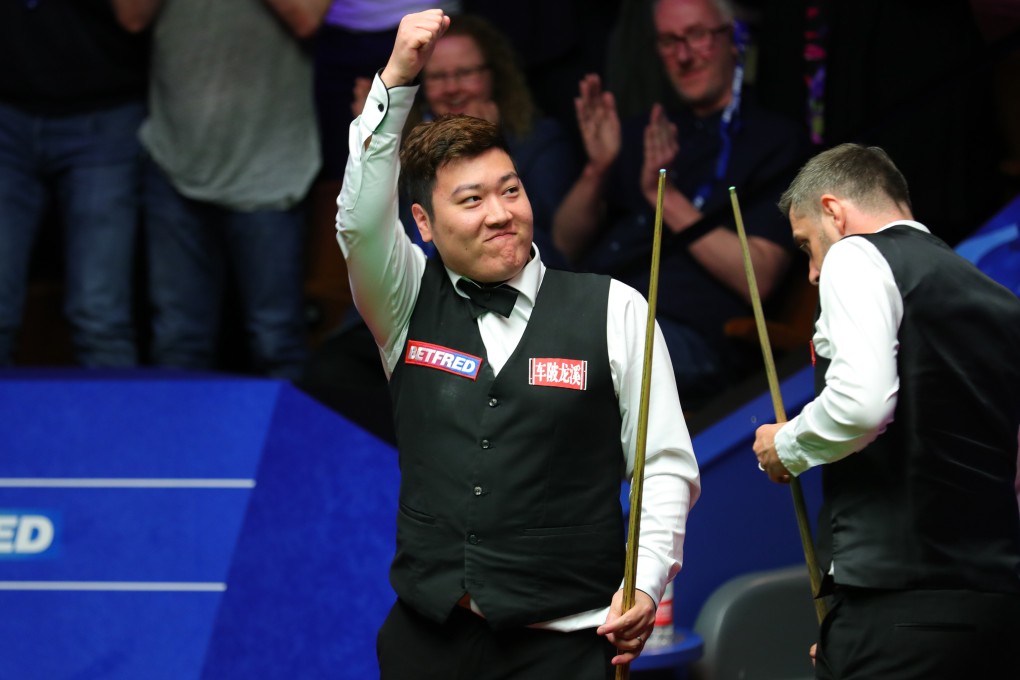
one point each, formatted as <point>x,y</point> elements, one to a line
<point>765,450</point>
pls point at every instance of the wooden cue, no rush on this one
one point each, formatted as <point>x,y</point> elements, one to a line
<point>800,508</point>
<point>638,478</point>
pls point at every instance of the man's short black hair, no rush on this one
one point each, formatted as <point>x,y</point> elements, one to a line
<point>431,145</point>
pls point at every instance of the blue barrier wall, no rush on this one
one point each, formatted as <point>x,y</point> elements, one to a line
<point>211,527</point>
<point>202,527</point>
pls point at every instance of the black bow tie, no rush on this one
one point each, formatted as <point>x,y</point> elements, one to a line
<point>500,299</point>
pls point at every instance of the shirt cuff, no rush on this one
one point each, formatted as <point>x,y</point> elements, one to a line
<point>377,116</point>
<point>788,451</point>
<point>650,578</point>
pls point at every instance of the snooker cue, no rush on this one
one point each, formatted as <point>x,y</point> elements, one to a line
<point>637,478</point>
<point>799,506</point>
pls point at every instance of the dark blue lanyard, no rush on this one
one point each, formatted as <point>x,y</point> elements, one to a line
<point>727,123</point>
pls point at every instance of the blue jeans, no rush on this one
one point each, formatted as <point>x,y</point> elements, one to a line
<point>88,165</point>
<point>192,246</point>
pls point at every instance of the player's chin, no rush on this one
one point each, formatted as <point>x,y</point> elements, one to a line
<point>506,260</point>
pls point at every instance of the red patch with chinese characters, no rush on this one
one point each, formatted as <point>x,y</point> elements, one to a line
<point>569,373</point>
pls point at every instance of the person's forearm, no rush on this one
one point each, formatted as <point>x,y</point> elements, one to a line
<point>667,500</point>
<point>720,253</point>
<point>671,477</point>
<point>678,212</point>
<point>579,214</point>
<point>302,17</point>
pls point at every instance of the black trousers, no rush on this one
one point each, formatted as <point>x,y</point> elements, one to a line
<point>923,634</point>
<point>412,647</point>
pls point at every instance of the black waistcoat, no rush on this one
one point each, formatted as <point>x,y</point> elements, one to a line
<point>930,503</point>
<point>509,490</point>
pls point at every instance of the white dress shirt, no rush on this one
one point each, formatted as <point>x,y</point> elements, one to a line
<point>857,331</point>
<point>385,271</point>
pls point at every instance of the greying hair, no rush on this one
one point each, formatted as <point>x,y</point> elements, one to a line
<point>863,174</point>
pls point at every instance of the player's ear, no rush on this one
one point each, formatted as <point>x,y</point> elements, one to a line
<point>421,218</point>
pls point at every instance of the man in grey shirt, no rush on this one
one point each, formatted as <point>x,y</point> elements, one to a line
<point>233,149</point>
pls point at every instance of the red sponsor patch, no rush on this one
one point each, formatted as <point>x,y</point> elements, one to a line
<point>569,373</point>
<point>445,359</point>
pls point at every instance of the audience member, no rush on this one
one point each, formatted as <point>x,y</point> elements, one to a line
<point>233,149</point>
<point>72,95</point>
<point>718,139</point>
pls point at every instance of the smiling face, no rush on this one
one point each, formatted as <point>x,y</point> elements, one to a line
<point>456,78</point>
<point>703,77</point>
<point>481,220</point>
